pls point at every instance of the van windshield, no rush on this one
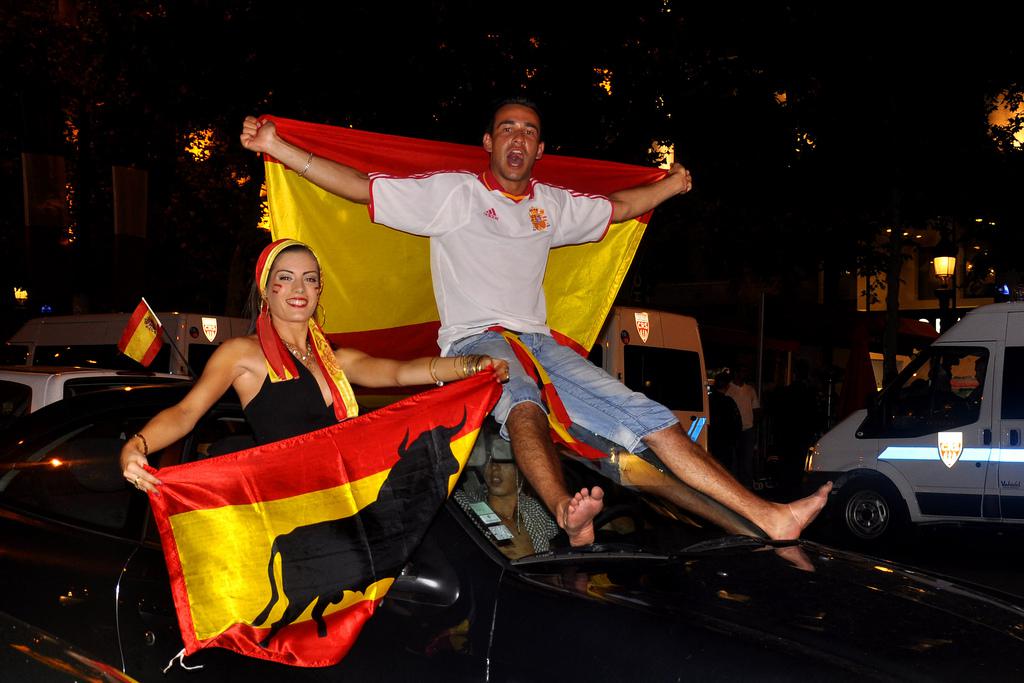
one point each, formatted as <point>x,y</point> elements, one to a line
<point>646,510</point>
<point>943,388</point>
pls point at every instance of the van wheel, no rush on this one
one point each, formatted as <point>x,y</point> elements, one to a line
<point>871,511</point>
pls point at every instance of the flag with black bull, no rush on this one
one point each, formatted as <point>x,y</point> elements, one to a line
<point>283,551</point>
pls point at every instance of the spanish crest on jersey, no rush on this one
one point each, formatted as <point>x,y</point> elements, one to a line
<point>538,218</point>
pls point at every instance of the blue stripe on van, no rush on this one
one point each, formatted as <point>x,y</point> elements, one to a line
<point>696,427</point>
<point>925,453</point>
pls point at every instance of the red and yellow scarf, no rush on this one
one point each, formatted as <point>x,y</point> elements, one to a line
<point>280,363</point>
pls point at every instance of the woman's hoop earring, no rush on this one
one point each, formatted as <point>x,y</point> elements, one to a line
<point>320,315</point>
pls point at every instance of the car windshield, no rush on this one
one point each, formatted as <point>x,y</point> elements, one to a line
<point>646,510</point>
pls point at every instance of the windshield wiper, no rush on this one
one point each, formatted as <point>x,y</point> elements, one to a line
<point>593,552</point>
<point>727,543</point>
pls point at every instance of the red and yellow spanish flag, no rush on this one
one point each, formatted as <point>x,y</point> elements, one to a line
<point>143,335</point>
<point>377,287</point>
<point>283,551</point>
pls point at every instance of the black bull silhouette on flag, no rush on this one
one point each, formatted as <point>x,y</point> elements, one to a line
<point>319,562</point>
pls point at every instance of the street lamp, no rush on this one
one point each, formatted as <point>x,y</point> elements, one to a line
<point>945,269</point>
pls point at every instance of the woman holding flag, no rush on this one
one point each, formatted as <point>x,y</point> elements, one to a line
<point>288,378</point>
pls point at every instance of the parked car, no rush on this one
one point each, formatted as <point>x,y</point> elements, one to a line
<point>662,595</point>
<point>24,389</point>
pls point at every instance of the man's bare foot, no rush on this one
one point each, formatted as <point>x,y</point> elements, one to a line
<point>577,516</point>
<point>793,518</point>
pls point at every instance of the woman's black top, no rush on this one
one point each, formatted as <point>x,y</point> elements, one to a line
<point>284,409</point>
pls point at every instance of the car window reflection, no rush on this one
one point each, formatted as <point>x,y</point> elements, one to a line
<point>75,477</point>
<point>496,495</point>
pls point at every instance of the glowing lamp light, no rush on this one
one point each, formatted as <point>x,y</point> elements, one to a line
<point>56,462</point>
<point>20,295</point>
<point>945,266</point>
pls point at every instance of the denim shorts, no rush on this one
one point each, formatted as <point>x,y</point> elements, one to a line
<point>594,399</point>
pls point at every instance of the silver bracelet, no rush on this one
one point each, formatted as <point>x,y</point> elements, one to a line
<point>305,168</point>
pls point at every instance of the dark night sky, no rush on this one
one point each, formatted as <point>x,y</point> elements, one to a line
<point>884,119</point>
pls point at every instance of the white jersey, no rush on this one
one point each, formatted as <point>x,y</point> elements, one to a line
<point>488,250</point>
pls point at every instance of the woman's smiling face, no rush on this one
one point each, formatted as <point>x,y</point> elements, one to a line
<point>293,289</point>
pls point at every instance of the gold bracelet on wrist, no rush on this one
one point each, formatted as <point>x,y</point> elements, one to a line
<point>433,371</point>
<point>309,160</point>
<point>145,444</point>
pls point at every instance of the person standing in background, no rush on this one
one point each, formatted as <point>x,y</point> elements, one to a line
<point>745,396</point>
<point>724,425</point>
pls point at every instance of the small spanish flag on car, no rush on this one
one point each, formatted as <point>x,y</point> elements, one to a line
<point>143,336</point>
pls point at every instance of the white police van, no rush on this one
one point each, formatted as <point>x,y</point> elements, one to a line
<point>941,443</point>
<point>660,355</point>
<point>90,340</point>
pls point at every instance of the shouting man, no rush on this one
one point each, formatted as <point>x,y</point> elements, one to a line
<point>490,234</point>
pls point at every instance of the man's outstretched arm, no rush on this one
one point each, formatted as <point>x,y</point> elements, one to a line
<point>636,201</point>
<point>344,181</point>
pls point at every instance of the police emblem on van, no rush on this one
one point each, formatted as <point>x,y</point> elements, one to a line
<point>643,325</point>
<point>951,445</point>
<point>210,328</point>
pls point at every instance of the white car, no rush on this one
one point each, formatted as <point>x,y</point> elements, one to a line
<point>25,389</point>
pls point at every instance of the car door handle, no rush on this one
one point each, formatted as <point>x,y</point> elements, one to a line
<point>986,437</point>
<point>1014,437</point>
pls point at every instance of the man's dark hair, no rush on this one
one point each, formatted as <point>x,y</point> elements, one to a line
<point>522,102</point>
